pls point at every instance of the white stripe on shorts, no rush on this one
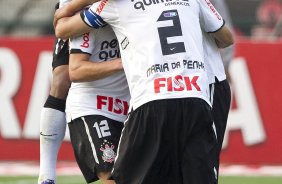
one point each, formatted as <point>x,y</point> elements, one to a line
<point>90,140</point>
<point>211,93</point>
<point>214,130</point>
<point>120,139</point>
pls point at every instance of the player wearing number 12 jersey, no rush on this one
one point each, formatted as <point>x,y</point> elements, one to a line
<point>97,103</point>
<point>168,137</point>
<point>52,117</point>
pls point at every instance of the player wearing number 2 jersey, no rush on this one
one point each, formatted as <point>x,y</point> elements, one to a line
<point>97,103</point>
<point>168,137</point>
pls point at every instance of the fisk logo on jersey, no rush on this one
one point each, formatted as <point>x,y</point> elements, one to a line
<point>109,50</point>
<point>144,3</point>
<point>113,105</point>
<point>176,83</point>
<point>213,9</point>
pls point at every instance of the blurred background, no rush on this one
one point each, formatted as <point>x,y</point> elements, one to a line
<point>252,150</point>
<point>251,18</point>
<point>26,17</point>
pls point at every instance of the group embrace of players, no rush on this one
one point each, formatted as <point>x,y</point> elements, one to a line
<point>128,127</point>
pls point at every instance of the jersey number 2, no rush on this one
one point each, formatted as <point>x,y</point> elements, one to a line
<point>170,31</point>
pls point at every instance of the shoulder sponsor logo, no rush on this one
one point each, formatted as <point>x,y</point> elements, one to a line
<point>101,6</point>
<point>213,9</point>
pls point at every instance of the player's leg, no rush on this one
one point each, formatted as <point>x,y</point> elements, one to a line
<point>154,142</point>
<point>52,121</point>
<point>221,106</point>
<point>95,140</point>
<point>104,177</point>
<point>198,144</point>
<point>143,153</point>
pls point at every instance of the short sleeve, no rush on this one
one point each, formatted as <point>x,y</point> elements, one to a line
<point>210,19</point>
<point>92,19</point>
<point>82,44</point>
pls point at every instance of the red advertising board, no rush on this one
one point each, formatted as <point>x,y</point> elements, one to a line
<point>23,91</point>
<point>258,138</point>
<point>253,134</point>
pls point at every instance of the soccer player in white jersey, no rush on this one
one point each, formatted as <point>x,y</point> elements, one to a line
<point>52,120</point>
<point>97,103</point>
<point>168,137</point>
<point>227,54</point>
<point>220,92</point>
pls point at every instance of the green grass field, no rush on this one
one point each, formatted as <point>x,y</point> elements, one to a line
<point>80,180</point>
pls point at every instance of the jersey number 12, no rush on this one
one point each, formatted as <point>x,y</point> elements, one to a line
<point>102,129</point>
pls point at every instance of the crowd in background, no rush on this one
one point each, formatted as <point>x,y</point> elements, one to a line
<point>252,18</point>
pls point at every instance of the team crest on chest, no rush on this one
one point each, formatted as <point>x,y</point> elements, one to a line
<point>109,154</point>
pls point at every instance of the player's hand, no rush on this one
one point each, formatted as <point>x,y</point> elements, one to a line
<point>118,63</point>
<point>62,12</point>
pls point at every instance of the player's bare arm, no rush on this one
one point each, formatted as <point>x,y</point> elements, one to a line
<point>83,70</point>
<point>223,37</point>
<point>71,8</point>
<point>71,26</point>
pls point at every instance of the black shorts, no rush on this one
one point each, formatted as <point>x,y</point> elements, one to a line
<point>167,142</point>
<point>94,140</point>
<point>221,99</point>
<point>60,53</point>
<point>220,107</point>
